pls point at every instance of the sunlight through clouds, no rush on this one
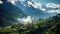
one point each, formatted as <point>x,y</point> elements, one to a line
<point>25,20</point>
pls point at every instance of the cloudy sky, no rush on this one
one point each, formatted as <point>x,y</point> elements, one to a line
<point>52,6</point>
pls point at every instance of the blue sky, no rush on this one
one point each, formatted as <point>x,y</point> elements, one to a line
<point>47,1</point>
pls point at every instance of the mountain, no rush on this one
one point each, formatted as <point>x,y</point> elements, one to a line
<point>10,13</point>
<point>21,11</point>
<point>30,10</point>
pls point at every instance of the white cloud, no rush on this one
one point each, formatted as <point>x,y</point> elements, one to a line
<point>36,5</point>
<point>25,20</point>
<point>43,9</point>
<point>1,2</point>
<point>52,5</point>
<point>54,11</point>
<point>12,1</point>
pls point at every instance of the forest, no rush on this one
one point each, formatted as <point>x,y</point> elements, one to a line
<point>50,25</point>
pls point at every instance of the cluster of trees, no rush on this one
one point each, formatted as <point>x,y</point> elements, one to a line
<point>42,26</point>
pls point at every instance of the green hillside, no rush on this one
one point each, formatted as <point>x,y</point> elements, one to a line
<point>41,26</point>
